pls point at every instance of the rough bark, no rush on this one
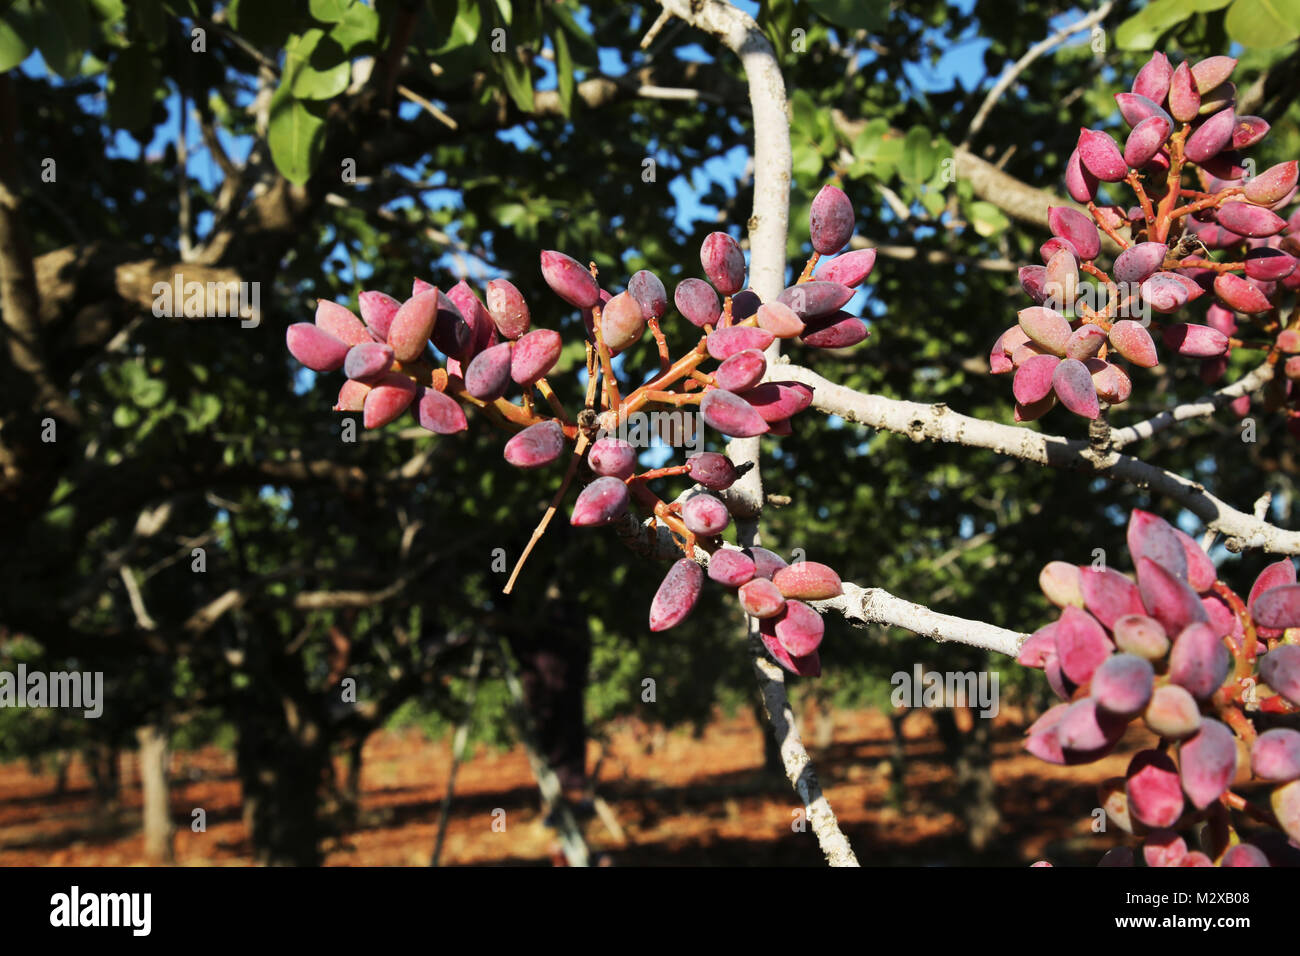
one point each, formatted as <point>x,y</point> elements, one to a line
<point>154,758</point>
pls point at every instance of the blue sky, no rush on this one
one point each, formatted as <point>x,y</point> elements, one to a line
<point>961,64</point>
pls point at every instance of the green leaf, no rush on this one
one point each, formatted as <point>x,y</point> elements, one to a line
<point>944,164</point>
<point>109,11</point>
<point>518,80</point>
<point>359,25</point>
<point>12,48</point>
<point>1263,23</point>
<point>1143,29</point>
<point>932,200</point>
<point>203,411</point>
<point>917,162</point>
<point>132,80</point>
<point>868,142</point>
<point>149,393</point>
<point>986,218</point>
<point>62,30</point>
<point>296,135</point>
<point>509,214</point>
<point>132,373</point>
<point>872,15</point>
<point>803,110</point>
<point>60,518</point>
<point>563,71</point>
<point>315,66</point>
<point>807,160</point>
<point>124,416</point>
<point>465,28</point>
<point>330,11</point>
<point>565,18</point>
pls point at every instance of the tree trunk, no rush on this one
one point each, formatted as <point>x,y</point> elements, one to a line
<point>773,766</point>
<point>283,760</point>
<point>353,786</point>
<point>347,799</point>
<point>553,659</point>
<point>158,829</point>
<point>62,760</point>
<point>970,756</point>
<point>824,735</point>
<point>897,758</point>
<point>102,761</point>
<point>983,816</point>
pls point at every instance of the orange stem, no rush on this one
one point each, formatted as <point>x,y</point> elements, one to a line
<point>808,268</point>
<point>665,361</point>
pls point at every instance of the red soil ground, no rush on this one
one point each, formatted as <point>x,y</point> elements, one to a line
<point>679,800</point>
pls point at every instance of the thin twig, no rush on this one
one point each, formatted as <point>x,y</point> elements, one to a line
<point>579,449</point>
<point>1033,53</point>
<point>138,608</point>
<point>184,223</point>
<point>1200,408</point>
<point>426,105</point>
<point>661,21</point>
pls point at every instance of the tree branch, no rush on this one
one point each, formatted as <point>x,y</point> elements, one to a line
<point>207,616</point>
<point>768,227</point>
<point>794,757</point>
<point>862,606</point>
<point>1200,408</point>
<point>938,422</point>
<point>20,298</point>
<point>1033,53</point>
<point>99,272</point>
